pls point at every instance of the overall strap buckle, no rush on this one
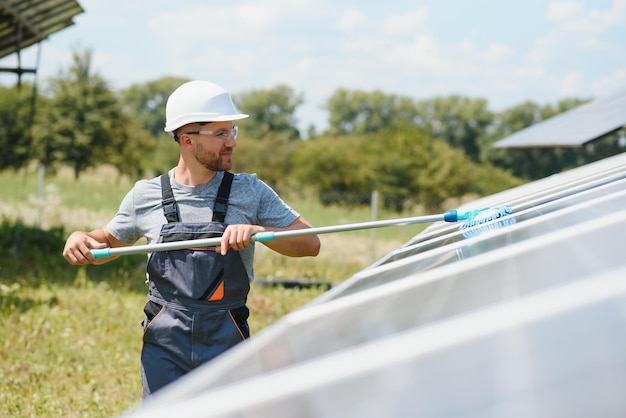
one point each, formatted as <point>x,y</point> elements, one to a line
<point>170,208</point>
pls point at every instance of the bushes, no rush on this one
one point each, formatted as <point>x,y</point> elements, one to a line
<point>404,163</point>
<point>33,256</point>
<point>18,239</point>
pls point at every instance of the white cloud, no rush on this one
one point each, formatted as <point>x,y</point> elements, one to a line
<point>578,29</point>
<point>593,43</point>
<point>411,22</point>
<point>571,83</point>
<point>542,49</point>
<point>351,19</point>
<point>574,17</point>
<point>611,83</point>
<point>492,54</point>
<point>251,17</point>
<point>529,72</point>
<point>422,54</point>
<point>581,34</point>
<point>564,11</point>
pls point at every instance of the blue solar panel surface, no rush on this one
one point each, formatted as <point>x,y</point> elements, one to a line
<point>575,127</point>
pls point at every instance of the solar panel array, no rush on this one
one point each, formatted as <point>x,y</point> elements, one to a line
<point>26,22</point>
<point>520,317</point>
<point>574,128</point>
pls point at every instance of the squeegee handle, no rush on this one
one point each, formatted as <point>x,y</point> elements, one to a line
<point>261,236</point>
<point>269,236</point>
<point>449,216</point>
<point>164,246</point>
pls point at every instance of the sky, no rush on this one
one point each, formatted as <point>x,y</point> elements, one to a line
<point>506,52</point>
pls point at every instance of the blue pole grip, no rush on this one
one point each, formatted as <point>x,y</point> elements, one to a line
<point>450,216</point>
<point>101,252</point>
<point>264,236</point>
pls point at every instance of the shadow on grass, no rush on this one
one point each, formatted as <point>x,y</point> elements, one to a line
<point>32,257</point>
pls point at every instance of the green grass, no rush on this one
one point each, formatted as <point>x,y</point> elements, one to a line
<point>71,348</point>
<point>70,337</point>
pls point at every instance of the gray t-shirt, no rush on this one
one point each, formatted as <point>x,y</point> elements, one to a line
<point>251,201</point>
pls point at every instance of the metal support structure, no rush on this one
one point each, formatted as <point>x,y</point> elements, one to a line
<point>18,49</point>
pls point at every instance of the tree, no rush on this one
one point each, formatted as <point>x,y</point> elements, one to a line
<point>360,112</point>
<point>270,158</point>
<point>506,123</point>
<point>16,123</point>
<point>130,148</point>
<point>460,121</point>
<point>84,125</point>
<point>403,162</point>
<point>413,165</point>
<point>339,174</point>
<point>272,112</point>
<point>146,102</point>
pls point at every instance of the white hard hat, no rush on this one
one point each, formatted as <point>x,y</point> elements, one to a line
<point>199,101</point>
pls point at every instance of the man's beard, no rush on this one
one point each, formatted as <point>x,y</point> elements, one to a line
<point>213,164</point>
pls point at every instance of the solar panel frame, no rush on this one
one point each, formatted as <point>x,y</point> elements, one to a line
<point>575,127</point>
<point>38,20</point>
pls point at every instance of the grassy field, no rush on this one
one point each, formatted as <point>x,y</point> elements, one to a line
<point>70,337</point>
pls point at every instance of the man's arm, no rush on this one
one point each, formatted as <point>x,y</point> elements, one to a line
<point>79,243</point>
<point>238,237</point>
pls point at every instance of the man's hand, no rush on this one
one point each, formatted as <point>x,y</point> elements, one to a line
<point>237,237</point>
<point>77,248</point>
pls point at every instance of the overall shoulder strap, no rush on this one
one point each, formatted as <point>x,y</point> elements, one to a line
<point>221,202</point>
<point>170,209</point>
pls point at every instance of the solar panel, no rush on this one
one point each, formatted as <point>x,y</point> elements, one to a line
<point>520,319</point>
<point>574,127</point>
<point>25,22</point>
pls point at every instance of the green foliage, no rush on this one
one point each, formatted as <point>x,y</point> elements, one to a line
<point>16,121</point>
<point>31,252</point>
<point>489,179</point>
<point>403,163</point>
<point>460,121</point>
<point>271,113</point>
<point>270,158</point>
<point>83,124</point>
<point>146,102</point>
<point>457,120</point>
<point>360,112</point>
<point>78,118</point>
<point>164,156</point>
<point>333,167</point>
<point>129,145</point>
<point>15,238</point>
<point>417,166</point>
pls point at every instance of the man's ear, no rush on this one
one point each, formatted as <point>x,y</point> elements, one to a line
<point>185,140</point>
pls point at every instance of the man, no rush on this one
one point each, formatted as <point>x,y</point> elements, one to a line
<point>196,305</point>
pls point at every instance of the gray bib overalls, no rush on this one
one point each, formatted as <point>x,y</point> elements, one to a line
<point>196,305</point>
